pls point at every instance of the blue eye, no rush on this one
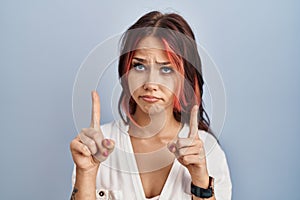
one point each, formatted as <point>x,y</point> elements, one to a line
<point>166,70</point>
<point>139,67</point>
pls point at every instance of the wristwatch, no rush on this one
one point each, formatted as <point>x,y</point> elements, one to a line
<point>201,192</point>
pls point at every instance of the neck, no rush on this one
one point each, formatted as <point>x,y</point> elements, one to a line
<point>160,124</point>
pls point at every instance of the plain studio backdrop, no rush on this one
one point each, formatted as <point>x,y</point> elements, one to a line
<point>255,45</point>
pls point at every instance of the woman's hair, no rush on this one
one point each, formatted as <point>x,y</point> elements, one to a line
<point>180,46</point>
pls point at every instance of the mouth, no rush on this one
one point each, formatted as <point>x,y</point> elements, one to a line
<point>150,99</point>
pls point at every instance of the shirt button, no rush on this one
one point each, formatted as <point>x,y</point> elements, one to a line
<point>101,193</point>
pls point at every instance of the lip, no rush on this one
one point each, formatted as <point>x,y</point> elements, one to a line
<point>150,99</point>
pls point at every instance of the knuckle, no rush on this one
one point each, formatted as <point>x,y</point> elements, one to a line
<point>179,143</point>
<point>94,136</point>
<point>84,149</point>
<point>191,141</point>
<point>73,143</point>
<point>188,142</point>
<point>180,152</point>
<point>90,143</point>
<point>106,143</point>
<point>185,160</point>
<point>199,143</point>
<point>71,146</point>
<point>112,146</point>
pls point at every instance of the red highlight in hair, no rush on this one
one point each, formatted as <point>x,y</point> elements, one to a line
<point>197,91</point>
<point>178,63</point>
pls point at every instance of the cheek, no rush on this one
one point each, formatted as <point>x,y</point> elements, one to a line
<point>171,89</point>
<point>169,85</point>
<point>172,84</point>
<point>135,81</point>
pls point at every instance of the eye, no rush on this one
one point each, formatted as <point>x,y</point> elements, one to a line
<point>139,67</point>
<point>166,70</point>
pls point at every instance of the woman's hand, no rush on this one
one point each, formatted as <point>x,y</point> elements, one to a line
<point>190,153</point>
<point>90,148</point>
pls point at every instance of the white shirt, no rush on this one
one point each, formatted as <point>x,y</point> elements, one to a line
<point>118,176</point>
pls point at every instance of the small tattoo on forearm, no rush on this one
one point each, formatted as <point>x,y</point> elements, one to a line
<point>75,190</point>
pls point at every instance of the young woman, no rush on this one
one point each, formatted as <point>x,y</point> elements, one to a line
<point>160,148</point>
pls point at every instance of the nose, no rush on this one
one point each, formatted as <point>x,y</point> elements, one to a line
<point>150,83</point>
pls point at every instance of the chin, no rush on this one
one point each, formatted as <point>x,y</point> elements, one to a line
<point>158,109</point>
<point>152,109</point>
<point>155,109</point>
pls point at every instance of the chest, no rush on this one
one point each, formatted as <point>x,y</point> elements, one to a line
<point>154,162</point>
<point>153,182</point>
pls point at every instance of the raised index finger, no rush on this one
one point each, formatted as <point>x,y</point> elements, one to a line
<point>194,122</point>
<point>95,122</point>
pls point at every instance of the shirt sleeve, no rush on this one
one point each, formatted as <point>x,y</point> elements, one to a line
<point>73,176</point>
<point>218,168</point>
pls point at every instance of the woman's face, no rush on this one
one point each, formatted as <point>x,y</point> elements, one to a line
<point>153,81</point>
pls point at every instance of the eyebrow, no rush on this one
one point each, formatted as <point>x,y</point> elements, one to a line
<point>143,61</point>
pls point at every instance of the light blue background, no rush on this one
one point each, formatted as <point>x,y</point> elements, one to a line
<point>254,43</point>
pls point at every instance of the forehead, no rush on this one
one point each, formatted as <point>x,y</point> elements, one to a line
<point>150,42</point>
<point>151,47</point>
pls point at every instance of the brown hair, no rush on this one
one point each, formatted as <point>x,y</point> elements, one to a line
<point>179,40</point>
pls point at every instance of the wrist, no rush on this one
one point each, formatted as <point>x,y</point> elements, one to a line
<point>202,182</point>
<point>203,193</point>
<point>87,172</point>
<point>85,177</point>
<point>200,178</point>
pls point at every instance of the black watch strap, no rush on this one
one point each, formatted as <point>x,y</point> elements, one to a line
<point>201,192</point>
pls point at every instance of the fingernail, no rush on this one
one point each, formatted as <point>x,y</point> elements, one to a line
<point>105,153</point>
<point>172,147</point>
<point>107,142</point>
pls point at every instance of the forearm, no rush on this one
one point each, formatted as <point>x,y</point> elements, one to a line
<point>85,186</point>
<point>197,198</point>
